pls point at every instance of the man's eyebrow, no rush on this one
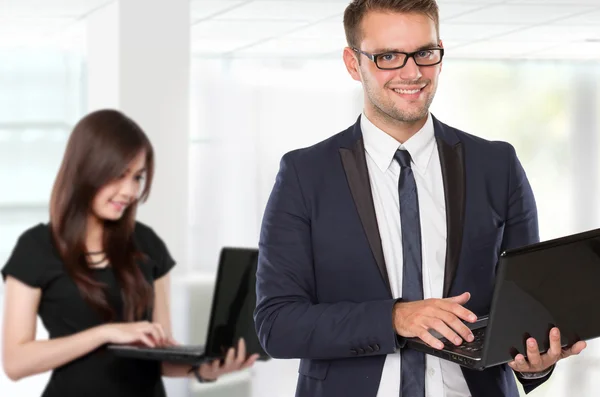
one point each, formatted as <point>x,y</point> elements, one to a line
<point>389,49</point>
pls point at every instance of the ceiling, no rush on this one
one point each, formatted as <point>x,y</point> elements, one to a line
<point>547,29</point>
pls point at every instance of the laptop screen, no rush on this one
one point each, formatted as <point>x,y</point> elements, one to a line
<point>543,285</point>
<point>234,300</point>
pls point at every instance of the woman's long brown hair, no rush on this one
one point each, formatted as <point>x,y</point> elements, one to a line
<point>99,150</point>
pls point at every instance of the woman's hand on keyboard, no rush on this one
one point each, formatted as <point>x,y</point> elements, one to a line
<point>143,332</point>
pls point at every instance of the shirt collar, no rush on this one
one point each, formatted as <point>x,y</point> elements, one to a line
<point>381,147</point>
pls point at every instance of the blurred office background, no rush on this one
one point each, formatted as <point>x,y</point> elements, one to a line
<point>225,87</point>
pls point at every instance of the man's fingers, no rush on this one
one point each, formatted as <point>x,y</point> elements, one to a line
<point>519,364</point>
<point>574,350</point>
<point>441,327</point>
<point>554,352</point>
<point>458,310</point>
<point>533,354</point>
<point>578,347</point>
<point>426,337</point>
<point>458,326</point>
<point>513,365</point>
<point>460,299</point>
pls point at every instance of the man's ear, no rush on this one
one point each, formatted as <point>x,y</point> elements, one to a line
<point>352,63</point>
<point>441,45</point>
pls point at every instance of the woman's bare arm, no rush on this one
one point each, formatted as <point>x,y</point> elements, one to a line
<point>22,355</point>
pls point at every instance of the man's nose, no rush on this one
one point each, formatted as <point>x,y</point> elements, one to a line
<point>410,71</point>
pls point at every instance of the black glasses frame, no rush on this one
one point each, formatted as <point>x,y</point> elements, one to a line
<point>375,57</point>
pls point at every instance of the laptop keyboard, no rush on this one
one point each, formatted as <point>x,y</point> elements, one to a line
<point>471,347</point>
<point>184,348</point>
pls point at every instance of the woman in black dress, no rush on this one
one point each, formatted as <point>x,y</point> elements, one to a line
<point>95,275</point>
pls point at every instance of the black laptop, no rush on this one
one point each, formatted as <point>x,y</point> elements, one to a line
<point>539,286</point>
<point>231,318</point>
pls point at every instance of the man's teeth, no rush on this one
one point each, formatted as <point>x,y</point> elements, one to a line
<point>407,91</point>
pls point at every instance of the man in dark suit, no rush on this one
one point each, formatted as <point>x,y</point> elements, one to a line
<point>391,229</point>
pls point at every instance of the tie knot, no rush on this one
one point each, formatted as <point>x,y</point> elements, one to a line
<point>403,158</point>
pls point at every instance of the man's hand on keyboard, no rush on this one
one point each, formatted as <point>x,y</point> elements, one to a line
<point>416,319</point>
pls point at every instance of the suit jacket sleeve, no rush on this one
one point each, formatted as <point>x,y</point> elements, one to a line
<point>290,321</point>
<point>521,227</point>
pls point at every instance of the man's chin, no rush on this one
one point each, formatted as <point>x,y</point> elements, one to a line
<point>410,117</point>
<point>411,110</point>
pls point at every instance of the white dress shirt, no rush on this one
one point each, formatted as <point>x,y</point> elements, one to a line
<point>442,378</point>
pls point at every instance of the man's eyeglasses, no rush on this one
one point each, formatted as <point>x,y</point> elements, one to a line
<point>396,59</point>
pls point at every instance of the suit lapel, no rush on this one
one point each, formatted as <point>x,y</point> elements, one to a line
<point>453,175</point>
<point>355,166</point>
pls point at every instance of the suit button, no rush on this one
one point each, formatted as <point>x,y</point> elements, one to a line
<point>370,349</point>
<point>376,347</point>
<point>361,351</point>
<point>354,352</point>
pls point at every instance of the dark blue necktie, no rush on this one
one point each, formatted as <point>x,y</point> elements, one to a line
<point>412,377</point>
